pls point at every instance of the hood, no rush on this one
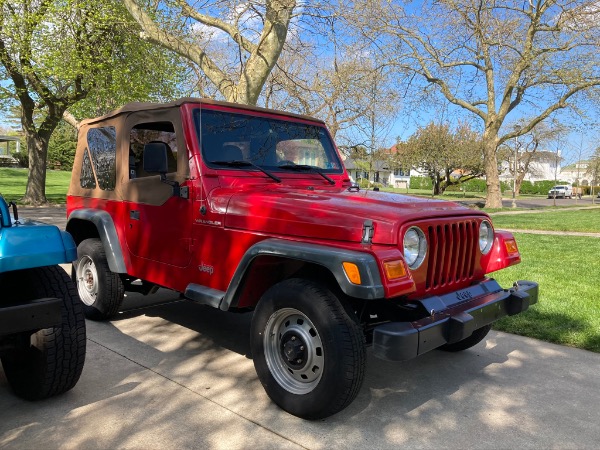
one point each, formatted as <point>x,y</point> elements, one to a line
<point>333,214</point>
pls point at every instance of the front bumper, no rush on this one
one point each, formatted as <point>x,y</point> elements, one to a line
<point>32,316</point>
<point>453,317</point>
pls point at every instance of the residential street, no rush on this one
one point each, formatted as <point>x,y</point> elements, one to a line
<point>171,374</point>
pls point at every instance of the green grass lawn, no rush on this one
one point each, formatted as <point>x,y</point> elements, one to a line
<point>567,269</point>
<point>585,220</point>
<point>14,181</point>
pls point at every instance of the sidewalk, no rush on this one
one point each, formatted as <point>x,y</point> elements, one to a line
<point>554,233</point>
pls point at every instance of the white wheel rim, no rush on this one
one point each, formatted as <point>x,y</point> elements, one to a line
<point>87,280</point>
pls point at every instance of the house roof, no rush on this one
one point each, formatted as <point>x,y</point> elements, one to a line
<point>583,166</point>
<point>9,138</point>
<point>376,165</point>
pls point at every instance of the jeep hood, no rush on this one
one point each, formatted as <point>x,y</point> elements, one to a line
<point>332,214</point>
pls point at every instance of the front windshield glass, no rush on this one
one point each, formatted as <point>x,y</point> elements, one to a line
<point>269,143</point>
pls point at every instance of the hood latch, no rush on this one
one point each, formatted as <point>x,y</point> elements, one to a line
<point>367,232</point>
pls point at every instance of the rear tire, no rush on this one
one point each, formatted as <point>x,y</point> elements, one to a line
<point>477,336</point>
<point>50,361</point>
<point>101,290</point>
<point>308,352</point>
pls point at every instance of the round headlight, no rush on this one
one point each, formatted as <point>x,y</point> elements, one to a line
<point>415,247</point>
<point>486,237</point>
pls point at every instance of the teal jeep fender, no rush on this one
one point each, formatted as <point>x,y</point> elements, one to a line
<point>26,243</point>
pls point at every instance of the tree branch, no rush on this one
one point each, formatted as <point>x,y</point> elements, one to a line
<point>192,52</point>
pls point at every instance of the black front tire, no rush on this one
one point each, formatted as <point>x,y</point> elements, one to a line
<point>477,336</point>
<point>50,361</point>
<point>308,351</point>
<point>101,290</point>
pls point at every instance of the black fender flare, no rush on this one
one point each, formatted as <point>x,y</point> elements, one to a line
<point>329,257</point>
<point>107,232</point>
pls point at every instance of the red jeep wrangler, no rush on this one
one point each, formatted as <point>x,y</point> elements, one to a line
<point>243,208</point>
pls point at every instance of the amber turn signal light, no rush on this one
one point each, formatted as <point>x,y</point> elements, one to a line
<point>352,272</point>
<point>511,246</point>
<point>394,269</point>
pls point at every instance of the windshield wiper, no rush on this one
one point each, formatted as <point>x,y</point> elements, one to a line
<point>293,166</point>
<point>242,163</point>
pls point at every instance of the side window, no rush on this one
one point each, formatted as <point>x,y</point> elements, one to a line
<point>143,134</point>
<point>86,177</point>
<point>100,157</point>
<point>102,143</point>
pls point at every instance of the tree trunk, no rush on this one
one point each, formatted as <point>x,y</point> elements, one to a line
<point>436,184</point>
<point>518,183</point>
<point>37,149</point>
<point>492,178</point>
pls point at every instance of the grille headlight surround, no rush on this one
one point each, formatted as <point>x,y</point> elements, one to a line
<point>486,237</point>
<point>414,247</point>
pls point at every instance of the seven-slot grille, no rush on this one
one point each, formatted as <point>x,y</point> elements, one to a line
<point>452,248</point>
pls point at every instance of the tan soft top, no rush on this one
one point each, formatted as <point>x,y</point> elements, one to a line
<point>144,106</point>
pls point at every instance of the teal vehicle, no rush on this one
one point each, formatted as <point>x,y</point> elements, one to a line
<point>42,325</point>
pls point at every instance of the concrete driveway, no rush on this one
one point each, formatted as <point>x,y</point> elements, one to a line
<point>174,375</point>
<point>179,375</point>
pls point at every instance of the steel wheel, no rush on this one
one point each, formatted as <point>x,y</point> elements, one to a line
<point>293,351</point>
<point>101,291</point>
<point>87,280</point>
<point>308,351</point>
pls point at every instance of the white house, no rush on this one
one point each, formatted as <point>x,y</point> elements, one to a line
<point>544,166</point>
<point>577,172</point>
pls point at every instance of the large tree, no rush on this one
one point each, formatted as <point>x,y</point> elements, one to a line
<point>256,32</point>
<point>495,60</point>
<point>449,157</point>
<point>45,48</point>
<point>53,54</point>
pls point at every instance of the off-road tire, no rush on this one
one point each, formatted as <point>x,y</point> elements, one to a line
<point>50,361</point>
<point>477,336</point>
<point>331,361</point>
<point>101,290</point>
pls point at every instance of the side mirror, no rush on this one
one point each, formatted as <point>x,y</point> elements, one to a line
<point>155,158</point>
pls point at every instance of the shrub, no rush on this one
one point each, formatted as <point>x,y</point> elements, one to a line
<point>527,187</point>
<point>421,183</point>
<point>475,185</point>
<point>61,148</point>
<point>363,183</point>
<point>22,158</point>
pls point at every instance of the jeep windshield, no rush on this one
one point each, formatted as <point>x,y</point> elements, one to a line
<point>240,141</point>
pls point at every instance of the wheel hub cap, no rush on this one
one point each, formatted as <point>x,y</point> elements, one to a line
<point>87,277</point>
<point>293,350</point>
